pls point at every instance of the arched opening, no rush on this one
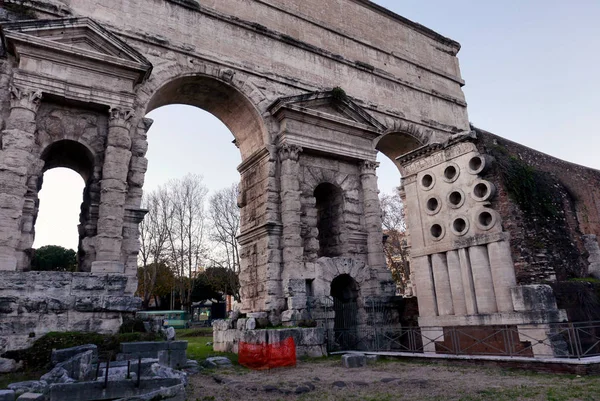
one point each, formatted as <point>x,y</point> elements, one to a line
<point>392,198</point>
<point>330,210</point>
<point>205,127</point>
<point>63,217</point>
<point>345,293</point>
<point>220,99</point>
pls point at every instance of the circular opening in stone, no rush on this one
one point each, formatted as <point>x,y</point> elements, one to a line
<point>450,172</point>
<point>481,190</point>
<point>455,198</point>
<point>459,225</point>
<point>485,219</point>
<point>475,163</point>
<point>436,231</point>
<point>427,180</point>
<point>432,204</point>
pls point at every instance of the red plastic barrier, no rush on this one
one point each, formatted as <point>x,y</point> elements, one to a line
<point>267,356</point>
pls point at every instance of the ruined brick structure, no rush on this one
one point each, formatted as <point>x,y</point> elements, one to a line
<point>310,100</point>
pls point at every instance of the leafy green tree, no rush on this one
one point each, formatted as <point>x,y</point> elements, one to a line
<point>54,258</point>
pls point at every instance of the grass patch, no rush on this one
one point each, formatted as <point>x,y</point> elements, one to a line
<point>200,344</point>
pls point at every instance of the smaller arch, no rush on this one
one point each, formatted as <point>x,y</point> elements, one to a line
<point>345,289</point>
<point>330,219</point>
<point>69,154</point>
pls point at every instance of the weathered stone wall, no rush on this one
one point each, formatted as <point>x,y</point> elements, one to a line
<point>547,206</point>
<point>35,303</point>
<point>227,334</point>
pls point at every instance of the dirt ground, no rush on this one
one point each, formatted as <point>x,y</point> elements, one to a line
<point>388,380</point>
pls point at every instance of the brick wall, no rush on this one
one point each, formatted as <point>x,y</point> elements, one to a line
<point>546,204</point>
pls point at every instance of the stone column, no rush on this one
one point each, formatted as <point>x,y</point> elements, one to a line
<point>290,218</point>
<point>503,274</point>
<point>372,213</point>
<point>441,279</point>
<point>113,193</point>
<point>17,143</point>
<point>425,288</point>
<point>467,281</point>
<point>456,283</point>
<point>30,213</point>
<point>482,279</point>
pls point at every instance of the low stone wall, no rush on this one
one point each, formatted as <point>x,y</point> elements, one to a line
<point>309,341</point>
<point>35,303</point>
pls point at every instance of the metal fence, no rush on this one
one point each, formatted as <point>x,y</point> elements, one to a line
<point>374,327</point>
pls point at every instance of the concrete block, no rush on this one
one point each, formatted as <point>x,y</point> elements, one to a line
<point>354,360</point>
<point>144,346</point>
<point>178,345</point>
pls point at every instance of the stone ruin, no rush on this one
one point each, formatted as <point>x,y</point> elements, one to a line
<point>311,100</point>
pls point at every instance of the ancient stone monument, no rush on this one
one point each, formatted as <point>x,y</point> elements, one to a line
<point>310,99</point>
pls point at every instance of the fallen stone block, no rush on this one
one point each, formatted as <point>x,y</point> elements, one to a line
<point>9,365</point>
<point>31,397</point>
<point>354,360</point>
<point>57,375</point>
<point>62,355</point>
<point>32,386</point>
<point>80,366</point>
<point>7,395</point>
<point>217,362</point>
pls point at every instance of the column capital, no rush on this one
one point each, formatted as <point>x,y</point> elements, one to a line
<point>25,98</point>
<point>368,167</point>
<point>120,117</point>
<point>289,152</point>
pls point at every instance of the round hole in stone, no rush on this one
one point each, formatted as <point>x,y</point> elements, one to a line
<point>432,204</point>
<point>485,219</point>
<point>436,231</point>
<point>481,190</point>
<point>455,198</point>
<point>475,163</point>
<point>450,173</point>
<point>459,225</point>
<point>427,180</point>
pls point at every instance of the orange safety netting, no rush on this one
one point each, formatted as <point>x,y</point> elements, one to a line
<point>267,356</point>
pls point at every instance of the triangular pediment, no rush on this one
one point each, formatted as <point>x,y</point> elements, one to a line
<point>81,37</point>
<point>332,104</point>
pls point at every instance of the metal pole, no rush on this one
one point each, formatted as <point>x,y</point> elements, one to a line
<point>139,371</point>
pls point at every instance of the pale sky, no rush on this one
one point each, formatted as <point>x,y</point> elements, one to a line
<point>530,68</point>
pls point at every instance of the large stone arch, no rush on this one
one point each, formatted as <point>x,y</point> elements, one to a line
<point>220,92</point>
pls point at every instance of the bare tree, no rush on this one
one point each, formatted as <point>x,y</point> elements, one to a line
<point>225,218</point>
<point>154,236</point>
<point>395,246</point>
<point>187,231</point>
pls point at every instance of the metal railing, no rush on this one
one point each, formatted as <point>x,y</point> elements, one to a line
<point>373,327</point>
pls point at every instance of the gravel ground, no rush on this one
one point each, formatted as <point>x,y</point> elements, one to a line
<point>389,380</point>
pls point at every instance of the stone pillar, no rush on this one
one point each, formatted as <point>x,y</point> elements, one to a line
<point>424,283</point>
<point>456,283</point>
<point>372,214</point>
<point>290,219</point>
<point>503,274</point>
<point>467,280</point>
<point>17,143</point>
<point>30,212</point>
<point>441,279</point>
<point>113,193</point>
<point>482,278</point>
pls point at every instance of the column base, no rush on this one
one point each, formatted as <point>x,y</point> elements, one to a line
<point>108,267</point>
